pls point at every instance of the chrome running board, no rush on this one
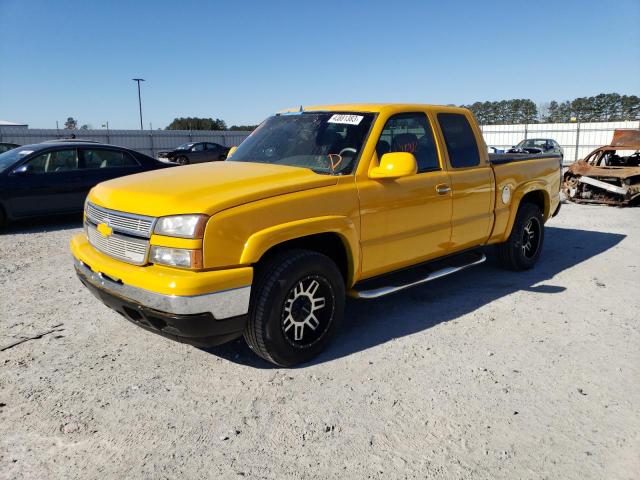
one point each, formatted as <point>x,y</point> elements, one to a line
<point>397,281</point>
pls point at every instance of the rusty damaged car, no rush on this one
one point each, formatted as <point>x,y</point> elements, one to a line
<point>609,175</point>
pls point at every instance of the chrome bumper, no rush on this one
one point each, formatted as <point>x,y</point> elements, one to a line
<point>224,304</point>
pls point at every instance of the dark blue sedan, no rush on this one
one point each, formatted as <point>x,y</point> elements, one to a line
<point>54,178</point>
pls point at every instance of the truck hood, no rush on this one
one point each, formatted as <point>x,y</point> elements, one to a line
<point>203,188</point>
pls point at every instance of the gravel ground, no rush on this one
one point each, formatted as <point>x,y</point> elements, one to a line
<point>487,374</point>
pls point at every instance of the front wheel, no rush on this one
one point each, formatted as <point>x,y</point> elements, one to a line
<point>296,307</point>
<point>522,249</point>
<point>182,160</point>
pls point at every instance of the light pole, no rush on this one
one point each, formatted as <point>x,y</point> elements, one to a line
<point>106,125</point>
<point>138,80</point>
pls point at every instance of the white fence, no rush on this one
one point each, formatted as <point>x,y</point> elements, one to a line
<point>576,139</point>
<point>144,141</point>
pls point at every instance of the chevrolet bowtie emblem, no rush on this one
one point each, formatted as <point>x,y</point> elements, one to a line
<point>104,229</point>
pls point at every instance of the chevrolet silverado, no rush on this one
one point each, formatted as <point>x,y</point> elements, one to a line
<point>316,204</point>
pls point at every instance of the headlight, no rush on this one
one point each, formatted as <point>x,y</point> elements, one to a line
<point>176,257</point>
<point>185,226</point>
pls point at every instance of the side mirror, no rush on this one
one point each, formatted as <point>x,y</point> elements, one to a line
<point>395,165</point>
<point>231,151</point>
<point>22,169</point>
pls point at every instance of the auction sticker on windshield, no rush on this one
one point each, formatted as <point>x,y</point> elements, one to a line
<point>346,119</point>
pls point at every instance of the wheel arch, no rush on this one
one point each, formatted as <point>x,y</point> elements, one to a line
<point>535,193</point>
<point>334,237</point>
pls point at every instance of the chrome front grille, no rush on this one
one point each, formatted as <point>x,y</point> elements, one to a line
<point>138,225</point>
<point>129,249</point>
<point>127,237</point>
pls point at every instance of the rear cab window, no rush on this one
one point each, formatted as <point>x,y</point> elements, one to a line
<point>460,140</point>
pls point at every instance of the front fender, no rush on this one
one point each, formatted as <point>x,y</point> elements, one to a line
<point>260,242</point>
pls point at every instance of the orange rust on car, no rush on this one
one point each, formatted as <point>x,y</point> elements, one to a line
<point>628,138</point>
<point>583,168</point>
<point>605,177</point>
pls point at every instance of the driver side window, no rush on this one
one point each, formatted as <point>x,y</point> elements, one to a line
<point>57,161</point>
<point>410,132</point>
<point>198,147</point>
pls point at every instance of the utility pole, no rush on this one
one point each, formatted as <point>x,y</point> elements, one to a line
<point>106,125</point>
<point>138,80</point>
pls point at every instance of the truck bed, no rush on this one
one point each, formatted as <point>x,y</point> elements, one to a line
<point>501,158</point>
<point>514,171</point>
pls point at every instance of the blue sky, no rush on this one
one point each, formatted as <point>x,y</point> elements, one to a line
<point>243,60</point>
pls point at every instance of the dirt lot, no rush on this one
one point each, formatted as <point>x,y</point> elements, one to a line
<point>488,374</point>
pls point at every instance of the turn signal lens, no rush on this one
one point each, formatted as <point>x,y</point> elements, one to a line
<point>176,257</point>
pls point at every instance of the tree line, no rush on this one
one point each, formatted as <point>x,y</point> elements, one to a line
<point>605,107</point>
<point>182,123</point>
<point>195,123</point>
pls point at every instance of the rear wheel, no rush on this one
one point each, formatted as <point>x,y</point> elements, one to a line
<point>182,160</point>
<point>297,305</point>
<point>522,249</point>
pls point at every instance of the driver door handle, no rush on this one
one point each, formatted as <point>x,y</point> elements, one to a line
<point>443,188</point>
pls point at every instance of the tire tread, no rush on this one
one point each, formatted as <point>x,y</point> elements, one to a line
<point>268,275</point>
<point>506,251</point>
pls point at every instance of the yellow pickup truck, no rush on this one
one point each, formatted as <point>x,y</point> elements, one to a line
<point>316,204</point>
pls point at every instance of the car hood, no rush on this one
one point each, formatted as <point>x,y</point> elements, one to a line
<point>203,188</point>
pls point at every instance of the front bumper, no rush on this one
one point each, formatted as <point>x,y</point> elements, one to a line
<point>201,329</point>
<point>222,304</point>
<point>183,313</point>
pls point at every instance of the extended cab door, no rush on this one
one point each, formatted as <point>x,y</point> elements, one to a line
<point>405,220</point>
<point>472,181</point>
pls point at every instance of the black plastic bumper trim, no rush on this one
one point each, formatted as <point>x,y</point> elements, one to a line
<point>201,329</point>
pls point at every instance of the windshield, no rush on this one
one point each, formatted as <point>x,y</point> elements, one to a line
<point>325,142</point>
<point>185,146</point>
<point>10,157</point>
